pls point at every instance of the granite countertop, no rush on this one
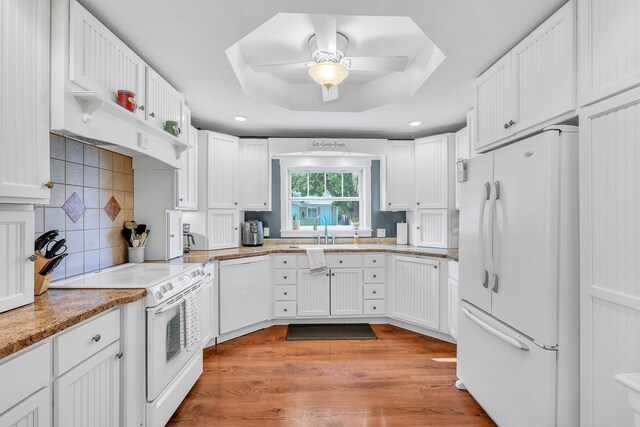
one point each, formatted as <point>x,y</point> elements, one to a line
<point>55,311</point>
<point>243,252</point>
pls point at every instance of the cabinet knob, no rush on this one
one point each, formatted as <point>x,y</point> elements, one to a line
<point>284,262</point>
<point>389,203</point>
<point>32,258</point>
<point>49,185</point>
<point>173,235</point>
<point>435,266</point>
<point>286,293</point>
<point>236,228</point>
<point>181,199</point>
<point>327,274</point>
<point>375,292</point>
<point>333,274</point>
<point>374,276</point>
<point>418,203</point>
<point>511,123</point>
<point>374,261</point>
<point>340,261</point>
<point>119,355</point>
<point>374,307</point>
<point>235,203</point>
<point>141,108</point>
<point>96,337</point>
<point>418,228</point>
<point>506,125</point>
<point>285,277</point>
<point>285,309</point>
<point>265,203</point>
<point>152,114</point>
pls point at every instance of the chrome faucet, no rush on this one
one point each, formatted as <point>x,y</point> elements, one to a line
<point>326,230</point>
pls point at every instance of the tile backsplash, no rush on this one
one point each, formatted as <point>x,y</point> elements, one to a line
<point>91,199</point>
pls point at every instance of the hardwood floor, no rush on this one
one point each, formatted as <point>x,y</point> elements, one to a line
<point>401,379</point>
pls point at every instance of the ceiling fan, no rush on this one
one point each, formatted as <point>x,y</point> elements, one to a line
<point>330,66</point>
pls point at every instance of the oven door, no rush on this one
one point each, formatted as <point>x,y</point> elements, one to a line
<point>166,340</point>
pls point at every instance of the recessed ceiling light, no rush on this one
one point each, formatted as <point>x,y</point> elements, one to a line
<point>240,118</point>
<point>414,123</point>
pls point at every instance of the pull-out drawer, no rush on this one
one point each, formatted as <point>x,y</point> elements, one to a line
<point>344,261</point>
<point>285,293</point>
<point>285,276</point>
<point>285,309</point>
<point>30,372</point>
<point>373,290</point>
<point>284,261</point>
<point>374,307</point>
<point>82,342</point>
<point>374,260</point>
<point>374,275</point>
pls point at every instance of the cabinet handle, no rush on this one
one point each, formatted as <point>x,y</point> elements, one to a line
<point>374,276</point>
<point>152,114</point>
<point>340,261</point>
<point>119,355</point>
<point>435,266</point>
<point>235,203</point>
<point>286,293</point>
<point>418,228</point>
<point>284,262</point>
<point>389,203</point>
<point>32,258</point>
<point>265,203</point>
<point>236,228</point>
<point>49,185</point>
<point>374,261</point>
<point>418,203</point>
<point>374,292</point>
<point>333,274</point>
<point>506,125</point>
<point>141,108</point>
<point>511,123</point>
<point>327,274</point>
<point>173,235</point>
<point>374,307</point>
<point>181,199</point>
<point>96,337</point>
<point>285,309</point>
<point>285,277</point>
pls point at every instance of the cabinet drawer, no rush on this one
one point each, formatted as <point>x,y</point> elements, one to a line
<point>73,347</point>
<point>284,261</point>
<point>285,293</point>
<point>373,290</point>
<point>374,307</point>
<point>374,260</point>
<point>23,375</point>
<point>285,276</point>
<point>453,270</point>
<point>374,275</point>
<point>285,309</point>
<point>344,261</point>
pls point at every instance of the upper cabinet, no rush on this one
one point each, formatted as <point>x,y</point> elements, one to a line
<point>255,175</point>
<point>396,181</point>
<point>164,104</point>
<point>609,48</point>
<point>463,152</point>
<point>531,86</point>
<point>24,101</point>
<point>431,171</point>
<point>187,177</point>
<point>222,171</point>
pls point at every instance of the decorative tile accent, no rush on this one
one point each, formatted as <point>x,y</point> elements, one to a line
<point>74,207</point>
<point>112,208</point>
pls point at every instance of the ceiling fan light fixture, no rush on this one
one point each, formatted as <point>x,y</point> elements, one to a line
<point>328,73</point>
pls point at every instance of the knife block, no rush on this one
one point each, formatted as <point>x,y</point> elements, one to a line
<point>40,282</point>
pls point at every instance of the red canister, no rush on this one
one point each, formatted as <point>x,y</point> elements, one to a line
<point>126,100</point>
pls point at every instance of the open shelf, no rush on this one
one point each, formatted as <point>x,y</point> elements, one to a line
<point>91,101</point>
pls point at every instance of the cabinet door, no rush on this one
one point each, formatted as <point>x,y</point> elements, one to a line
<point>163,102</point>
<point>544,71</point>
<point>16,270</point>
<point>609,48</point>
<point>346,291</point>
<point>222,228</point>
<point>24,100</point>
<point>206,311</point>
<point>185,124</point>
<point>222,172</point>
<point>452,311</point>
<point>313,294</point>
<point>174,234</point>
<point>255,175</point>
<point>187,177</point>
<point>416,291</point>
<point>432,229</point>
<point>89,394</point>
<point>494,103</point>
<point>101,62</point>
<point>431,172</point>
<point>34,411</point>
<point>463,148</point>
<point>397,189</point>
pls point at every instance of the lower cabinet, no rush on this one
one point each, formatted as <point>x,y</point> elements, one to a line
<point>346,291</point>
<point>35,411</point>
<point>313,294</point>
<point>208,311</point>
<point>452,298</point>
<point>16,280</point>
<point>89,394</point>
<point>415,291</point>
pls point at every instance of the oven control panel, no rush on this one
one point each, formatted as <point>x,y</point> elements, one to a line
<point>167,289</point>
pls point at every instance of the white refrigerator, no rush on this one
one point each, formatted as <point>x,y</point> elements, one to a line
<point>518,338</point>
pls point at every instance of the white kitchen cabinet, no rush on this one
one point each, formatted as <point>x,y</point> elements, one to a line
<point>245,293</point>
<point>313,294</point>
<point>35,411</point>
<point>463,152</point>
<point>415,291</point>
<point>187,177</point>
<point>432,228</point>
<point>174,243</point>
<point>346,291</point>
<point>222,171</point>
<point>16,267</point>
<point>163,103</point>
<point>223,228</point>
<point>24,101</point>
<point>89,394</point>
<point>255,175</point>
<point>452,299</point>
<point>432,171</point>
<point>208,310</point>
<point>397,177</point>
<point>608,48</point>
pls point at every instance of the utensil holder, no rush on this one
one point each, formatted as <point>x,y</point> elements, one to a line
<point>41,283</point>
<point>136,254</point>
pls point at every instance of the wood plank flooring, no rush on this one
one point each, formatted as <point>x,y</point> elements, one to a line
<point>401,379</point>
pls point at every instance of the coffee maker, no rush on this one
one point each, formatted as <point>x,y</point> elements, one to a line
<point>187,238</point>
<point>252,233</point>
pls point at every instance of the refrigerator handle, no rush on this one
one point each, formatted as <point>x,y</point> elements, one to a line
<point>500,335</point>
<point>484,273</point>
<point>488,240</point>
<point>496,235</point>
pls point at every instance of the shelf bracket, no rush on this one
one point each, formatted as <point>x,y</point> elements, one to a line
<point>89,105</point>
<point>180,150</point>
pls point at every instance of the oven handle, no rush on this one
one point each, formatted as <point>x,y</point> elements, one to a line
<point>170,306</point>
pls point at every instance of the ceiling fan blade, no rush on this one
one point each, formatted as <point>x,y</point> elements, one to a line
<point>376,63</point>
<point>325,27</point>
<point>281,67</point>
<point>330,94</point>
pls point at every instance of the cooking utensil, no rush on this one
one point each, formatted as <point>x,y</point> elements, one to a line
<point>59,247</point>
<point>131,225</point>
<point>140,229</point>
<point>52,264</point>
<point>42,241</point>
<point>126,233</point>
<point>143,239</point>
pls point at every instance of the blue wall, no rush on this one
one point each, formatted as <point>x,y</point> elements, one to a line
<point>386,220</point>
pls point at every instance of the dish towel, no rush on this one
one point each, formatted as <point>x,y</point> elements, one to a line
<point>317,263</point>
<point>192,320</point>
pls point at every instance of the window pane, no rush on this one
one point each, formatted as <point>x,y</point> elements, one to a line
<point>299,184</point>
<point>351,185</point>
<point>334,185</point>
<point>316,184</point>
<point>344,213</point>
